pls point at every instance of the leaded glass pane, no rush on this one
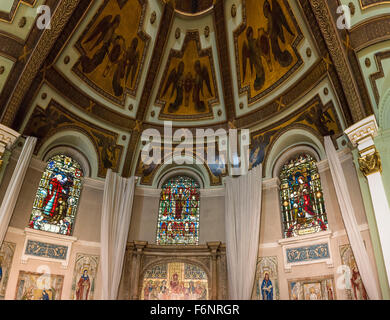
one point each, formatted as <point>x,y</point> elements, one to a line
<point>58,195</point>
<point>303,209</point>
<point>178,219</point>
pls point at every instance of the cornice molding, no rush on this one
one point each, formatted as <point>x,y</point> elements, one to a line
<point>339,57</point>
<point>366,128</point>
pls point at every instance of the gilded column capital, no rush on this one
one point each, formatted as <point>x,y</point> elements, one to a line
<point>370,161</point>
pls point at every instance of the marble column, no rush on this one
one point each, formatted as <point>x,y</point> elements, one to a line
<point>7,139</point>
<point>362,136</point>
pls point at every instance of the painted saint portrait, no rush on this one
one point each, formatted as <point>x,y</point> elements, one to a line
<point>266,281</point>
<point>321,288</point>
<point>112,49</point>
<point>354,287</point>
<point>266,46</point>
<point>84,277</point>
<point>175,281</point>
<point>188,88</point>
<point>39,286</point>
<point>7,251</point>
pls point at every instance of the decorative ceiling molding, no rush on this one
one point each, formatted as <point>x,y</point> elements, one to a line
<point>9,16</point>
<point>162,36</point>
<point>59,19</point>
<point>380,74</point>
<point>224,61</point>
<point>339,58</point>
<point>370,32</point>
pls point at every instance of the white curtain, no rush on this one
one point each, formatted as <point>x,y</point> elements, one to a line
<point>242,214</point>
<point>351,226</point>
<point>15,184</point>
<point>115,223</point>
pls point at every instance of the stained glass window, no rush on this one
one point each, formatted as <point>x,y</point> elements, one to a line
<point>58,195</point>
<point>178,219</point>
<point>303,209</point>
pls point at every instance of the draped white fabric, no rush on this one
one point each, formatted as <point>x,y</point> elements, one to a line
<point>242,214</point>
<point>351,226</point>
<point>115,223</point>
<point>12,193</point>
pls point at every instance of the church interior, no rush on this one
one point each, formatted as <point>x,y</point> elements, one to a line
<point>285,198</point>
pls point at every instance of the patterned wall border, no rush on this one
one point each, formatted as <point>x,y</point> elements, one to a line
<point>46,250</point>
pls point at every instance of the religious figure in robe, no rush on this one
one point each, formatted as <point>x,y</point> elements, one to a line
<point>267,289</point>
<point>51,202</point>
<point>45,295</point>
<point>357,285</point>
<point>175,284</point>
<point>1,268</point>
<point>83,286</point>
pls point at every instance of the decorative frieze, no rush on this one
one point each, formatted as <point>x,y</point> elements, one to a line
<point>308,253</point>
<point>308,249</point>
<point>47,246</point>
<point>46,250</point>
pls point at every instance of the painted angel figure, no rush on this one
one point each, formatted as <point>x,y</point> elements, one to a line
<point>105,34</point>
<point>320,119</point>
<point>201,76</point>
<point>176,80</point>
<point>254,49</point>
<point>277,22</point>
<point>128,64</point>
<point>184,84</point>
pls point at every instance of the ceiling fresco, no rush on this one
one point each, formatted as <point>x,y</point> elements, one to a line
<point>188,88</point>
<point>266,46</point>
<point>113,49</point>
<point>118,67</point>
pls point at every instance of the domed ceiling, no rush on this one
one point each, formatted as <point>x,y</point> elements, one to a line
<point>109,69</point>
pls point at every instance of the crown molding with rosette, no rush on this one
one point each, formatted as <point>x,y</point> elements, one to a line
<point>59,20</point>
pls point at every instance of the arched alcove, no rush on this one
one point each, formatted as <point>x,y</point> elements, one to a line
<point>75,144</point>
<point>290,143</point>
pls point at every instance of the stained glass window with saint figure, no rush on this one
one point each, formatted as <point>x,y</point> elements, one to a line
<point>178,219</point>
<point>58,195</point>
<point>303,209</point>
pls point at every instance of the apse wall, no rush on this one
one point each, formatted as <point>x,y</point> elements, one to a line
<point>86,234</point>
<point>272,246</point>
